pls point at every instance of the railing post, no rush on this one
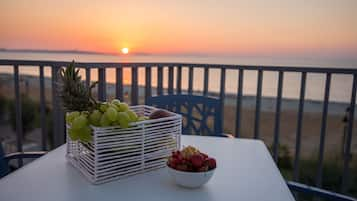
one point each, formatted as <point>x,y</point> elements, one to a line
<point>101,85</point>
<point>18,108</point>
<point>119,83</point>
<point>257,105</point>
<point>190,79</point>
<point>134,85</point>
<point>222,94</point>
<point>239,102</point>
<point>58,115</point>
<point>347,147</point>
<point>87,76</point>
<point>170,85</point>
<point>205,81</point>
<point>179,79</point>
<point>277,116</point>
<point>43,121</point>
<point>147,82</point>
<point>178,84</point>
<point>159,80</point>
<point>323,130</point>
<point>299,126</point>
<point>190,89</point>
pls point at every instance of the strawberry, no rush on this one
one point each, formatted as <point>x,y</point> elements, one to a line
<point>197,160</point>
<point>204,168</point>
<point>176,154</point>
<point>210,162</point>
<point>182,167</point>
<point>185,161</point>
<point>204,155</point>
<point>172,162</point>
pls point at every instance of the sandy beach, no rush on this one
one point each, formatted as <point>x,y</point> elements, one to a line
<point>311,122</point>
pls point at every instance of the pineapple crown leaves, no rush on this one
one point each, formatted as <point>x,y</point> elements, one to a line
<point>76,96</point>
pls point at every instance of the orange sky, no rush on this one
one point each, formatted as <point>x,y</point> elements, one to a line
<point>182,26</point>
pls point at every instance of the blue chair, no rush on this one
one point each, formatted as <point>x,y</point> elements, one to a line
<point>201,115</point>
<point>4,159</point>
<point>327,195</point>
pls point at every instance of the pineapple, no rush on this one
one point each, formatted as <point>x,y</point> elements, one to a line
<point>76,96</point>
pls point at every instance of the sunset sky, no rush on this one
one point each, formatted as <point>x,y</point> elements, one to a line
<point>225,27</point>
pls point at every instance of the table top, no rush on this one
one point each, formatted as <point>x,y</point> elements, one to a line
<point>245,171</point>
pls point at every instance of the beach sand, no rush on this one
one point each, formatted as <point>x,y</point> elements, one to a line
<point>310,135</point>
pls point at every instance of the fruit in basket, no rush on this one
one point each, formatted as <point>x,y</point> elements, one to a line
<point>142,118</point>
<point>132,115</point>
<point>114,106</point>
<point>159,114</point>
<point>114,113</point>
<point>111,113</point>
<point>79,128</point>
<point>73,134</point>
<point>123,119</point>
<point>104,121</point>
<point>79,122</point>
<point>123,107</point>
<point>70,116</point>
<point>116,102</point>
<point>86,111</point>
<point>94,118</point>
<point>106,114</point>
<point>191,159</point>
<point>103,106</point>
<point>75,94</point>
<point>84,134</point>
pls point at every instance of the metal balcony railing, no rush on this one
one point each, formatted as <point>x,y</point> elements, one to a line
<point>174,71</point>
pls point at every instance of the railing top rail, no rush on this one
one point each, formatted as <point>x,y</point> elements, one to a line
<point>218,66</point>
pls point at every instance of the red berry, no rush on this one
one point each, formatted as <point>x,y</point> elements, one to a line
<point>204,155</point>
<point>203,169</point>
<point>172,165</point>
<point>179,157</point>
<point>190,168</point>
<point>175,154</point>
<point>211,162</point>
<point>171,162</point>
<point>197,160</point>
<point>181,167</point>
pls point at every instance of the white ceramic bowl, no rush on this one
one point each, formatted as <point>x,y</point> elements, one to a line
<point>190,179</point>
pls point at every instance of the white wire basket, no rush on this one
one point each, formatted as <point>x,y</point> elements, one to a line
<point>116,153</point>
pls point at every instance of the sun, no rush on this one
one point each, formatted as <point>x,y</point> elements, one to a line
<point>125,50</point>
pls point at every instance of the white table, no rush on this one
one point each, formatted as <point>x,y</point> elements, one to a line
<point>245,171</point>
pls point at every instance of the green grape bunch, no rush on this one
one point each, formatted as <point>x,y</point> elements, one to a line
<point>114,113</point>
<point>79,126</point>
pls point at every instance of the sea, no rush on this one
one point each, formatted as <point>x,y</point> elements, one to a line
<point>341,85</point>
